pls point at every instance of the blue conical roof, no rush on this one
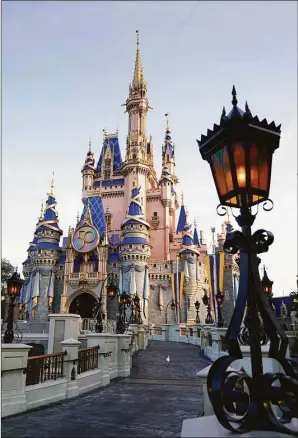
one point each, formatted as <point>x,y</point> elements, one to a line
<point>50,219</point>
<point>166,177</point>
<point>187,241</point>
<point>196,239</point>
<point>135,211</point>
<point>89,162</point>
<point>181,220</point>
<point>168,146</point>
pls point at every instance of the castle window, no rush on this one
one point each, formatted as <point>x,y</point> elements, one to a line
<point>143,246</point>
<point>154,266</point>
<point>114,265</point>
<point>168,157</point>
<point>107,169</point>
<point>130,246</point>
<point>166,266</point>
<point>155,214</point>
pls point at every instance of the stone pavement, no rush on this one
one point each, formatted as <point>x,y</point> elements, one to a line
<point>152,402</point>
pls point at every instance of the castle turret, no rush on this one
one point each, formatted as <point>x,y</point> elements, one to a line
<point>189,255</point>
<point>44,257</point>
<point>135,252</point>
<point>168,150</point>
<point>88,172</point>
<point>137,166</point>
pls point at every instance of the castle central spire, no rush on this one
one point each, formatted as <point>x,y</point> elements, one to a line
<point>138,76</point>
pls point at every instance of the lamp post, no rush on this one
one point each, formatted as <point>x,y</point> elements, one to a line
<point>172,303</point>
<point>219,300</point>
<point>206,302</point>
<point>112,288</point>
<point>135,316</point>
<point>197,307</point>
<point>239,152</point>
<point>14,285</point>
<point>122,323</point>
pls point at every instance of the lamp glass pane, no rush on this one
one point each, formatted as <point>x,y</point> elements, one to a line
<point>239,159</point>
<point>232,201</point>
<point>217,161</point>
<point>227,169</point>
<point>263,170</point>
<point>254,166</point>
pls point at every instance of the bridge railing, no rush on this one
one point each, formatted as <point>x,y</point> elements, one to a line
<point>88,359</point>
<point>45,367</point>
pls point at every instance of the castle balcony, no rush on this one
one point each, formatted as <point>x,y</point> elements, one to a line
<point>91,278</point>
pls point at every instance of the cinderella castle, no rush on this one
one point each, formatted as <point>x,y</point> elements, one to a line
<point>132,226</point>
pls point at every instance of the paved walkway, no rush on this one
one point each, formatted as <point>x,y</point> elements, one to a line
<point>152,402</point>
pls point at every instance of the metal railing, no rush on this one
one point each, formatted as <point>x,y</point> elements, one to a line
<point>183,331</point>
<point>88,359</point>
<point>45,367</point>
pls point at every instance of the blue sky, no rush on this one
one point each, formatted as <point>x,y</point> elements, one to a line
<point>66,68</point>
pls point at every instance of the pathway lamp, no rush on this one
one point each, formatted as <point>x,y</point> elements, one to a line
<point>14,286</point>
<point>197,307</point>
<point>173,306</point>
<point>239,152</point>
<point>206,302</point>
<point>112,289</point>
<point>122,323</point>
<point>219,300</point>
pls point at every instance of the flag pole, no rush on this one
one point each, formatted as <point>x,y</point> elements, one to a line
<point>177,291</point>
<point>214,274</point>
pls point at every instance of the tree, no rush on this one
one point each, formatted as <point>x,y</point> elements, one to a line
<point>6,272</point>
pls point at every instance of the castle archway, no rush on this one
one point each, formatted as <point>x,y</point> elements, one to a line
<point>82,303</point>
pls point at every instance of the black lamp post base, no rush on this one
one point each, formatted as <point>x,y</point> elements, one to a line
<point>8,336</point>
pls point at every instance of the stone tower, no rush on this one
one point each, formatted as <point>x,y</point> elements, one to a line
<point>137,165</point>
<point>44,256</point>
<point>189,256</point>
<point>135,252</point>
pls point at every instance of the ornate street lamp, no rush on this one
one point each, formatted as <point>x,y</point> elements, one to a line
<point>206,302</point>
<point>197,307</point>
<point>239,152</point>
<point>14,286</point>
<point>173,306</point>
<point>122,323</point>
<point>135,316</point>
<point>112,289</point>
<point>219,300</point>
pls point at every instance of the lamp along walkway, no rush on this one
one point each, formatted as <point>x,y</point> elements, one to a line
<point>152,402</point>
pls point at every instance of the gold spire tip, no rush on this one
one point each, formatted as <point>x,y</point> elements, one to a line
<point>167,119</point>
<point>41,209</point>
<point>90,143</point>
<point>138,37</point>
<point>182,198</point>
<point>52,184</point>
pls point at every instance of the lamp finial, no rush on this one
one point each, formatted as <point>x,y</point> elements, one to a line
<point>234,94</point>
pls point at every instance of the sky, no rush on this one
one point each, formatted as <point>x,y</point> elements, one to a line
<point>66,69</point>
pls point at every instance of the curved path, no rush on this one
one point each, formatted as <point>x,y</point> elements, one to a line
<point>152,402</point>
